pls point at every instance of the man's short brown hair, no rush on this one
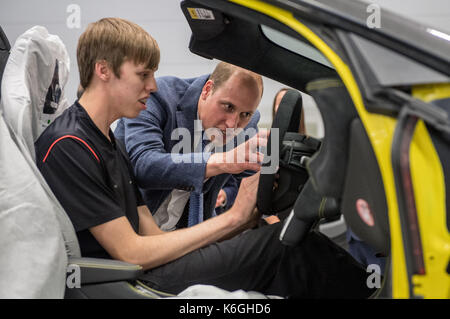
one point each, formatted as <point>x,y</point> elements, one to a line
<point>223,72</point>
<point>114,40</point>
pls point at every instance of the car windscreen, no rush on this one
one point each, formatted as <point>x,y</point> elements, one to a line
<point>295,45</point>
<point>394,69</point>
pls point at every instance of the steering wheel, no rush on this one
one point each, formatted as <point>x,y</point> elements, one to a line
<point>269,200</point>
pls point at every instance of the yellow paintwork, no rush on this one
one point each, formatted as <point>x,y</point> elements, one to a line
<point>428,178</point>
<point>431,92</point>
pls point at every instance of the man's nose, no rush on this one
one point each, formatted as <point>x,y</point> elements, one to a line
<point>151,85</point>
<point>232,120</point>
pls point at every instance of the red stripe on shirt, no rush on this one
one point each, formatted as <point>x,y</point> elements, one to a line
<point>74,137</point>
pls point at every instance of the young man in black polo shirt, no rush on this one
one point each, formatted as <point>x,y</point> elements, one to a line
<point>90,174</point>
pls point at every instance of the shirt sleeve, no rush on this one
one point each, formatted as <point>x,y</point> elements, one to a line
<point>76,178</point>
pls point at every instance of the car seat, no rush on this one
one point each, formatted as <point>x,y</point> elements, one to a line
<point>34,257</point>
<point>346,167</point>
<point>40,252</point>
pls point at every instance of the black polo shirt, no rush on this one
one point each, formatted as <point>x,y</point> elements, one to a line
<point>90,176</point>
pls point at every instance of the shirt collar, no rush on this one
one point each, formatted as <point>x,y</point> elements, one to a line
<point>110,143</point>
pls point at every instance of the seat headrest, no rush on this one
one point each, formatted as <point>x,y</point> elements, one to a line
<point>328,166</point>
<point>33,83</point>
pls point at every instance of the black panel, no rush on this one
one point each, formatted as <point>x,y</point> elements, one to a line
<point>95,270</point>
<point>363,182</point>
<point>112,290</point>
<point>235,37</point>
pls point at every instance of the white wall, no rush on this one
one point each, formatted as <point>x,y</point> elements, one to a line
<point>164,20</point>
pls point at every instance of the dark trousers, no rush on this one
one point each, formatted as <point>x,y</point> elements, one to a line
<point>256,260</point>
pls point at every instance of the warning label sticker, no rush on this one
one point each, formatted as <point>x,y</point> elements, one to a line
<point>201,14</point>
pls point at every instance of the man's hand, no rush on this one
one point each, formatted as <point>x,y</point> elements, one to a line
<point>244,205</point>
<point>243,157</point>
<point>221,198</point>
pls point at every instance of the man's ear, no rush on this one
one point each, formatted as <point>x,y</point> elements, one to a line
<point>102,70</point>
<point>207,89</point>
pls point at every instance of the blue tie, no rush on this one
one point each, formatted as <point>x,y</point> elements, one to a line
<point>195,209</point>
<point>196,201</point>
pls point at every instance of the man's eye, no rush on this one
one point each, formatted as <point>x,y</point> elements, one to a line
<point>246,115</point>
<point>144,75</point>
<point>228,107</point>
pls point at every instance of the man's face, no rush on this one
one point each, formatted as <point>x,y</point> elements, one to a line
<point>133,88</point>
<point>230,106</point>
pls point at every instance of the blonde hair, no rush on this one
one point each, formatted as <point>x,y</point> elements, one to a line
<point>114,40</point>
<point>223,71</point>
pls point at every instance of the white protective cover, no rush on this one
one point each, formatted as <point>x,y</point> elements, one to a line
<point>28,76</point>
<point>212,292</point>
<point>36,235</point>
<point>33,259</point>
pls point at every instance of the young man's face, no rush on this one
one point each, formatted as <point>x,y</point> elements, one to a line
<point>230,106</point>
<point>133,88</point>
